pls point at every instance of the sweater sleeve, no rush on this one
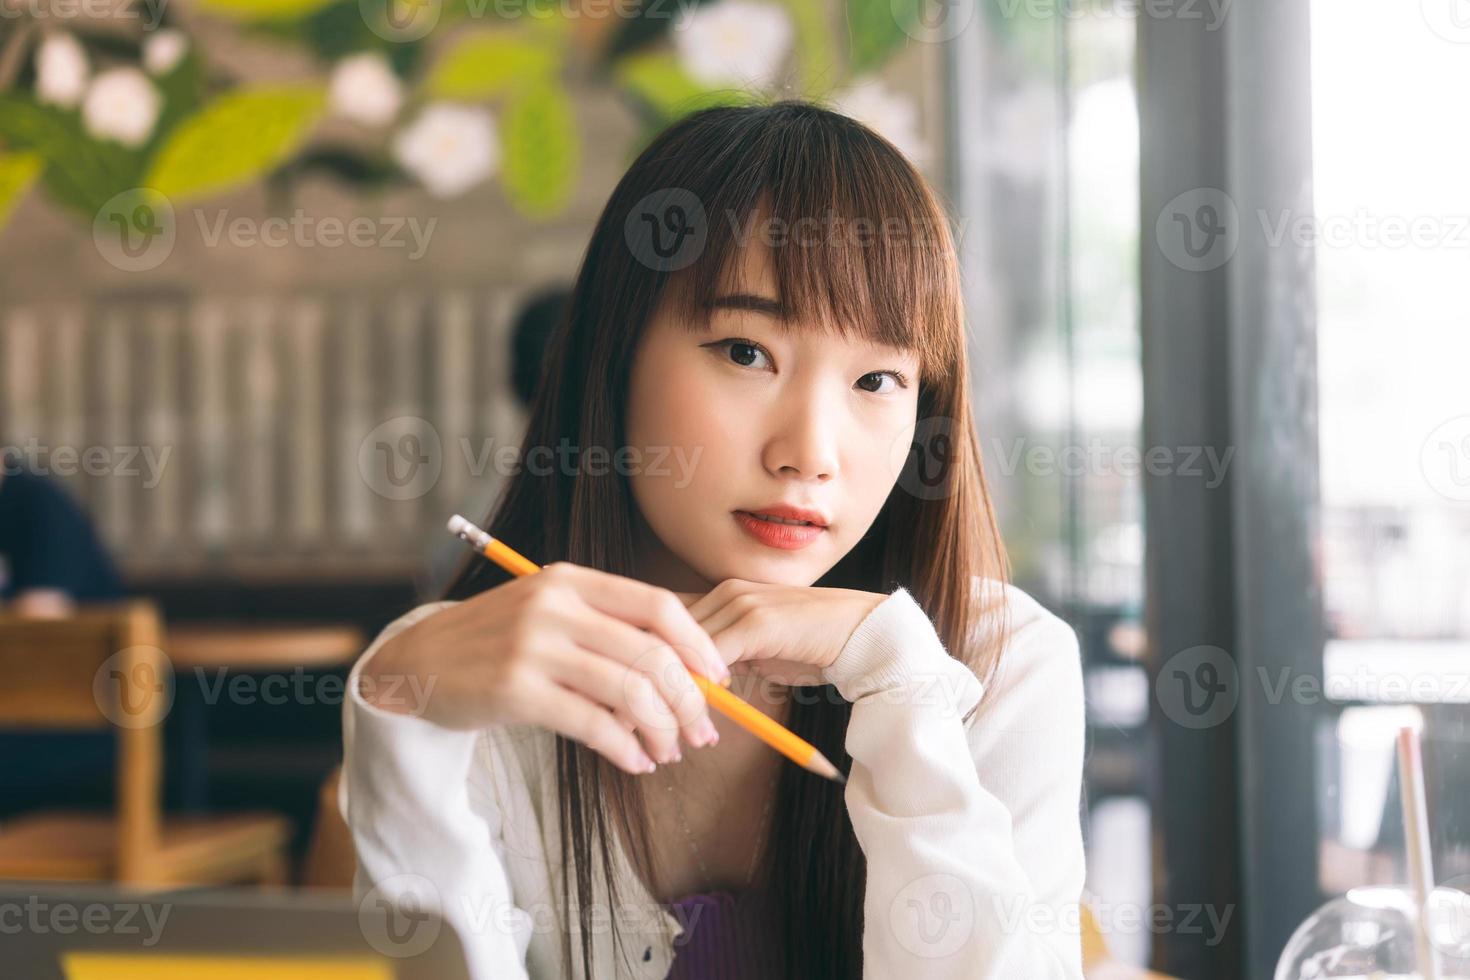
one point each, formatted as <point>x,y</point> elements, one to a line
<point>971,831</point>
<point>427,828</point>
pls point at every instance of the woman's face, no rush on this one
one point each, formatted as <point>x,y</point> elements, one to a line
<point>748,415</point>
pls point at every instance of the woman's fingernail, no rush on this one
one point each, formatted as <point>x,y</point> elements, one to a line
<point>708,734</point>
<point>644,763</point>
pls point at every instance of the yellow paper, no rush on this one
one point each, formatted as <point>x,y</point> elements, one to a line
<point>136,966</point>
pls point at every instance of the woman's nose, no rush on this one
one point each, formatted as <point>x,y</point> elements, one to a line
<point>805,437</point>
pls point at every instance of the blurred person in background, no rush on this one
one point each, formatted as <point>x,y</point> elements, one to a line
<point>535,322</point>
<point>51,560</point>
<point>50,555</point>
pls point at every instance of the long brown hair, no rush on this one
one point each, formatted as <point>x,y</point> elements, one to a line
<point>890,274</point>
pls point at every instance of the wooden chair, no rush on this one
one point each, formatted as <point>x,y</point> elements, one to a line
<point>331,859</point>
<point>1097,960</point>
<point>104,668</point>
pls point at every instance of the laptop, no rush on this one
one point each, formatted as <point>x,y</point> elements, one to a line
<point>57,931</point>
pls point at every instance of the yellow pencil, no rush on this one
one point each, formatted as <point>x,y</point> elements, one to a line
<point>773,733</point>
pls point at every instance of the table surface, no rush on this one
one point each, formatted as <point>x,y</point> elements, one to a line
<point>258,646</point>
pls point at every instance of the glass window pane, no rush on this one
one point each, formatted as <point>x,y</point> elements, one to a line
<point>1392,236</point>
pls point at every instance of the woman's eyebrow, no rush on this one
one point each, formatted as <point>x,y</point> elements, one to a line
<point>751,302</point>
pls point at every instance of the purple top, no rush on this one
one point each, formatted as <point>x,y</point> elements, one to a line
<point>726,937</point>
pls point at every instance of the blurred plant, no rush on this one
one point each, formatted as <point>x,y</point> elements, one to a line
<point>443,94</point>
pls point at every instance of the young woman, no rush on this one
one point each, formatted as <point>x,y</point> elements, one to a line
<point>767,321</point>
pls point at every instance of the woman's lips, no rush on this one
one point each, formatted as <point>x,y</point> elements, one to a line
<point>788,537</point>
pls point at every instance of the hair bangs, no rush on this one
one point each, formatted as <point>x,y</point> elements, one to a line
<point>856,244</point>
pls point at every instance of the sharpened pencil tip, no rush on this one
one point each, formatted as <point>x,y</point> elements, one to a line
<point>823,766</point>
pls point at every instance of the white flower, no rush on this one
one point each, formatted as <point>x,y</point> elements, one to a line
<point>121,104</point>
<point>164,50</point>
<point>891,115</point>
<point>61,70</point>
<point>364,89</point>
<point>449,147</point>
<point>733,42</point>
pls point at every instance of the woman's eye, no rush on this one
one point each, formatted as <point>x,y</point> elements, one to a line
<point>899,381</point>
<point>746,352</point>
<point>742,352</point>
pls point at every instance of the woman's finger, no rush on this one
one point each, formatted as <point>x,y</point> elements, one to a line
<point>574,716</point>
<point>650,608</point>
<point>631,696</point>
<point>731,628</point>
<point>646,655</point>
<point>701,607</point>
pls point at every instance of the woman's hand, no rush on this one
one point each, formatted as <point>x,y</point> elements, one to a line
<point>564,648</point>
<point>786,633</point>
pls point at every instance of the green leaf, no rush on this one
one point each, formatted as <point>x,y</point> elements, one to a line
<point>878,28</point>
<point>80,173</point>
<point>658,80</point>
<point>235,139</point>
<point>539,137</point>
<point>489,63</point>
<point>18,171</point>
<point>263,10</point>
<point>183,91</point>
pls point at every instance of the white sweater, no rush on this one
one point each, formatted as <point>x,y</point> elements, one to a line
<point>972,832</point>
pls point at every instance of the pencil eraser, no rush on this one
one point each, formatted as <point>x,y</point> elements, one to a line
<point>458,524</point>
